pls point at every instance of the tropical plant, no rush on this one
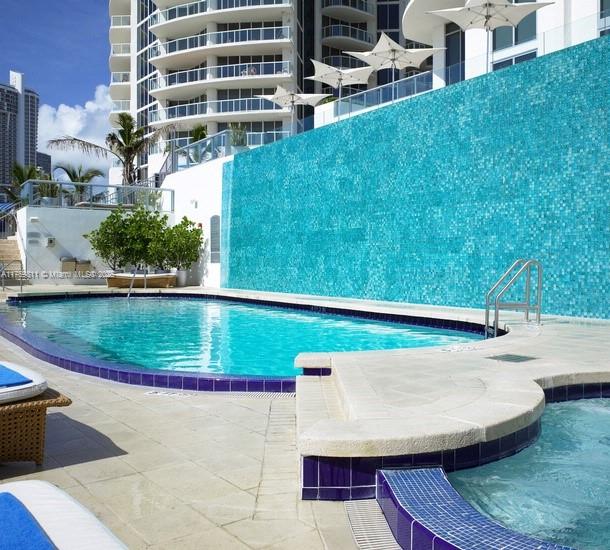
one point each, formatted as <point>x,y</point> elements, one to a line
<point>47,189</point>
<point>125,144</point>
<point>239,137</point>
<point>183,243</point>
<point>109,241</point>
<point>20,174</point>
<point>79,175</point>
<point>198,133</point>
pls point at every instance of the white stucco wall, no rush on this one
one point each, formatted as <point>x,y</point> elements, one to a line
<point>198,196</point>
<point>67,226</point>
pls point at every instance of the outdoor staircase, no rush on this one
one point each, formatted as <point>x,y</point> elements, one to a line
<point>10,260</point>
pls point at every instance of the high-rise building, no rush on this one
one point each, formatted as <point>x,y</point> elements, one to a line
<point>18,126</point>
<point>205,62</point>
<point>43,163</point>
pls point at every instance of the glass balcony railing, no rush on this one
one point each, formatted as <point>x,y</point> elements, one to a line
<point>360,5</point>
<point>347,31</point>
<point>246,70</point>
<point>219,38</point>
<point>120,77</point>
<point>213,107</point>
<point>183,10</point>
<point>121,106</point>
<point>203,6</point>
<point>120,49</point>
<point>344,61</point>
<point>58,194</point>
<point>120,21</point>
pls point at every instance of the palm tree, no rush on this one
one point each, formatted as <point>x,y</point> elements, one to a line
<point>125,144</point>
<point>78,175</point>
<point>198,133</point>
<point>21,174</point>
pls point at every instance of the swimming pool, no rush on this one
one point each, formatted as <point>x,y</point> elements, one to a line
<point>556,489</point>
<point>211,336</point>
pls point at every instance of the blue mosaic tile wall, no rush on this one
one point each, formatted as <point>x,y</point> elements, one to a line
<point>429,200</point>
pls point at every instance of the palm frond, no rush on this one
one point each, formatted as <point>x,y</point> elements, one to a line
<point>70,143</point>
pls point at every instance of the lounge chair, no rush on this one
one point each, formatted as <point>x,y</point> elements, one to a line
<point>36,515</point>
<point>24,400</point>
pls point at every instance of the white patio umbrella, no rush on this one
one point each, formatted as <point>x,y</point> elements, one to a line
<point>489,15</point>
<point>286,98</point>
<point>337,78</point>
<point>388,54</point>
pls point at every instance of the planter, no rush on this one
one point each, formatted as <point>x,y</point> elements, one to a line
<point>181,277</point>
<point>123,280</point>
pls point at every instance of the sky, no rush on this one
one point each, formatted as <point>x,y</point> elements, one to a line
<point>62,48</point>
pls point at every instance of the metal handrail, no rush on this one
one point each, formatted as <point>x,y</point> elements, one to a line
<point>3,273</point>
<point>525,267</point>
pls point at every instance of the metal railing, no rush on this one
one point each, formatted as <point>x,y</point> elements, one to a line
<point>121,105</point>
<point>520,269</point>
<point>219,145</point>
<point>347,31</point>
<point>360,5</point>
<point>213,107</point>
<point>220,38</point>
<point>120,49</point>
<point>6,274</point>
<point>122,77</point>
<point>58,194</point>
<point>120,21</point>
<point>248,70</point>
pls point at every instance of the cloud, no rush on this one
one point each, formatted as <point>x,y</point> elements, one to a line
<point>88,122</point>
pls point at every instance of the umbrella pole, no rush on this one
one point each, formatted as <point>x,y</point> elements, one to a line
<point>293,121</point>
<point>340,97</point>
<point>487,59</point>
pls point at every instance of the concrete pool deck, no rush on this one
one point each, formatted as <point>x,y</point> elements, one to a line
<point>373,404</point>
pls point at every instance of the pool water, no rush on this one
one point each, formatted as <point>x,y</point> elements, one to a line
<point>208,336</point>
<point>557,489</point>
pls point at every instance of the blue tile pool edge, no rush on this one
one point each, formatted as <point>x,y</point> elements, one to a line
<point>413,532</point>
<point>140,376</point>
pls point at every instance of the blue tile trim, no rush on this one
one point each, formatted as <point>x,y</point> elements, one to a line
<point>133,374</point>
<point>462,326</point>
<point>327,478</point>
<point>424,511</point>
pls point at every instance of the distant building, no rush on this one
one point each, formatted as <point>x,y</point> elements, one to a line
<point>43,162</point>
<point>18,126</point>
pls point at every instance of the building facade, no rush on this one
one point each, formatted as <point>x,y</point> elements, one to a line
<point>205,62</point>
<point>43,163</point>
<point>18,126</point>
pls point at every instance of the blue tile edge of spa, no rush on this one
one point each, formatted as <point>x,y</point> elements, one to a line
<point>425,512</point>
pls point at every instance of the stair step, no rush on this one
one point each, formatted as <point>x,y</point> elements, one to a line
<point>421,505</point>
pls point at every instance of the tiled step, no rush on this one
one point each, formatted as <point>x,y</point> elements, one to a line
<point>425,512</point>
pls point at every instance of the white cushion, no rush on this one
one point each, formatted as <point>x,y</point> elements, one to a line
<point>25,391</point>
<point>67,523</point>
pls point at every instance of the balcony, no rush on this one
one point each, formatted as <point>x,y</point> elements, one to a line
<point>187,19</point>
<point>345,37</point>
<point>120,29</point>
<point>184,53</point>
<point>120,85</point>
<point>119,7</point>
<point>120,57</point>
<point>230,110</point>
<point>344,62</point>
<point>192,83</point>
<point>119,106</point>
<point>354,11</point>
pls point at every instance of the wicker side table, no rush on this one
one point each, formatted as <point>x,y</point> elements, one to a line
<point>22,427</point>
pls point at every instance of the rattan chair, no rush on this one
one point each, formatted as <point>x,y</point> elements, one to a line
<point>22,427</point>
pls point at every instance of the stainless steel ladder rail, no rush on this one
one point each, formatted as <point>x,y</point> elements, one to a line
<point>525,267</point>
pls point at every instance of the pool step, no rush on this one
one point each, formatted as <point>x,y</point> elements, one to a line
<point>424,512</point>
